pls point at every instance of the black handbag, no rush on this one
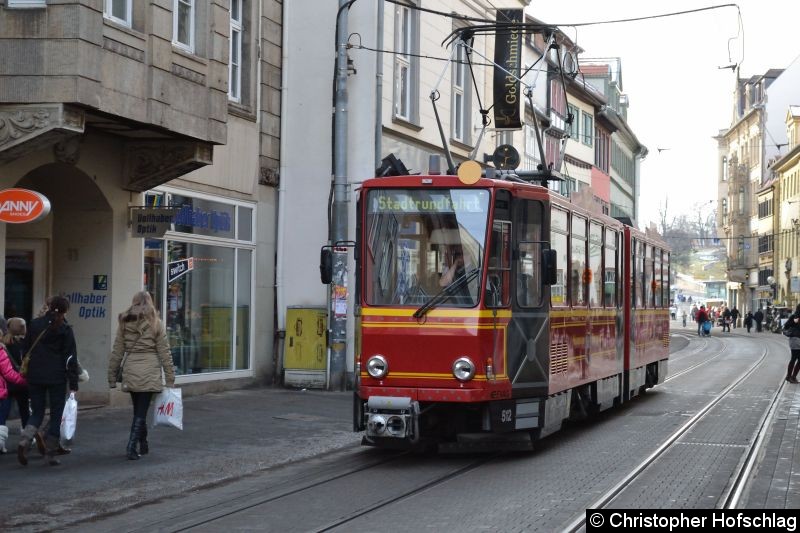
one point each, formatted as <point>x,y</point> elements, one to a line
<point>118,378</point>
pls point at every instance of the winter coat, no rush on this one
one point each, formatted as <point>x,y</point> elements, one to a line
<point>54,358</point>
<point>148,353</point>
<point>7,373</point>
<point>792,330</point>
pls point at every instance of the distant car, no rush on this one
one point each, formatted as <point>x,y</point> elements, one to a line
<point>673,312</point>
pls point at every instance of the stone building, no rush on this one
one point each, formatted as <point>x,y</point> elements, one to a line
<point>122,113</point>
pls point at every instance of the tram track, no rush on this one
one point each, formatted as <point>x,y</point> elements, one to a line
<point>731,497</point>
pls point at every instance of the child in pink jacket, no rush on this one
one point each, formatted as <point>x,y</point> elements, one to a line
<point>7,373</point>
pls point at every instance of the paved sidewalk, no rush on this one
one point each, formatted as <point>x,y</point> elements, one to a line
<point>226,436</point>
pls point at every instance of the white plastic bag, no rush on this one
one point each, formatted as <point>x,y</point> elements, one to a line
<point>168,409</point>
<point>70,417</point>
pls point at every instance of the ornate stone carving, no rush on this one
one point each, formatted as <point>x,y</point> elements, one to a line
<point>151,163</point>
<point>27,128</point>
<point>68,150</point>
<point>269,176</point>
<point>18,122</point>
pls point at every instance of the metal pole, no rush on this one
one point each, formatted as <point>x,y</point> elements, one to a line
<point>338,320</point>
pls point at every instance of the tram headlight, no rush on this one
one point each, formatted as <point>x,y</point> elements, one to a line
<point>376,424</point>
<point>377,367</point>
<point>396,426</point>
<point>463,369</point>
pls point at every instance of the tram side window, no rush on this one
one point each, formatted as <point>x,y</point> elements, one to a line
<point>595,271</point>
<point>649,280</point>
<point>578,269</point>
<point>610,269</point>
<point>658,278</point>
<point>497,283</point>
<point>558,242</point>
<point>529,263</point>
<point>638,274</point>
<point>666,283</point>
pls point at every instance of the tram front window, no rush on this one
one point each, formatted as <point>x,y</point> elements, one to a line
<point>418,241</point>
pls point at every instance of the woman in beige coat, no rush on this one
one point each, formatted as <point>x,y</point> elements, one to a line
<point>142,336</point>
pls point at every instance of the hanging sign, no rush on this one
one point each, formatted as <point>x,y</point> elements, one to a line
<point>151,222</point>
<point>18,206</point>
<point>507,58</point>
<point>176,269</point>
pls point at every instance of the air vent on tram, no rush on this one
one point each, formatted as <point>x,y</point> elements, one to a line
<point>558,358</point>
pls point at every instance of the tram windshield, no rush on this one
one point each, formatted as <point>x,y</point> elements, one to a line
<point>421,241</point>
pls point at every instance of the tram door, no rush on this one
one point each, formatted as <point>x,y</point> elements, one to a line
<point>25,278</point>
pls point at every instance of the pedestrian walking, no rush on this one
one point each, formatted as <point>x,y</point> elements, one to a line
<point>141,352</point>
<point>758,317</point>
<point>701,317</point>
<point>734,317</point>
<point>792,330</point>
<point>748,320</point>
<point>12,340</point>
<point>8,377</point>
<point>52,368</point>
<point>726,320</point>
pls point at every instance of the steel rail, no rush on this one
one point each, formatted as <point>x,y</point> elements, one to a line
<point>580,521</point>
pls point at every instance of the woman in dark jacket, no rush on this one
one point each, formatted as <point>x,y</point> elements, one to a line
<point>792,330</point>
<point>53,367</point>
<point>142,341</point>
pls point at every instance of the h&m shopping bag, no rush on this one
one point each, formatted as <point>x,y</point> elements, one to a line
<point>70,417</point>
<point>168,409</point>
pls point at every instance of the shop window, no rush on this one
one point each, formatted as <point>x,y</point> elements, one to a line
<point>200,307</point>
<point>244,288</point>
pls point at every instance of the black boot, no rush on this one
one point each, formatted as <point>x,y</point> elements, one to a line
<point>133,439</point>
<point>144,447</point>
<point>789,377</point>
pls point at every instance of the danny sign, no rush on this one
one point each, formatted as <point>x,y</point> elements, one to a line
<point>176,269</point>
<point>18,206</point>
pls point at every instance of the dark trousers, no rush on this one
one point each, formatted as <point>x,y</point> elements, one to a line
<point>21,397</point>
<point>40,394</point>
<point>794,364</point>
<point>141,403</point>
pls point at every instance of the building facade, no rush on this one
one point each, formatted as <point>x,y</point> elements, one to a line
<point>115,109</point>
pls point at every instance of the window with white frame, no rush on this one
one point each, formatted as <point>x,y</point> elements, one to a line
<point>460,122</point>
<point>183,24</point>
<point>405,76</point>
<point>532,157</point>
<point>235,65</point>
<point>10,4</point>
<point>119,11</point>
<point>574,128</point>
<point>588,129</point>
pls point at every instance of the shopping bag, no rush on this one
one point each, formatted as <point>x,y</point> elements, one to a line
<point>168,408</point>
<point>70,417</point>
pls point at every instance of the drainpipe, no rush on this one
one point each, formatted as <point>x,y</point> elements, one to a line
<point>280,311</point>
<point>379,86</point>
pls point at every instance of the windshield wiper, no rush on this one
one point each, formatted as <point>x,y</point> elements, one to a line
<point>446,292</point>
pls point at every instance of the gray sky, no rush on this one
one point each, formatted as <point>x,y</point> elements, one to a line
<point>679,98</point>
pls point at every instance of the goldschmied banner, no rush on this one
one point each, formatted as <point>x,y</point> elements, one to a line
<point>507,54</point>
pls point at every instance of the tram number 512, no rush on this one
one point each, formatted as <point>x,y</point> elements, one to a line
<point>502,415</point>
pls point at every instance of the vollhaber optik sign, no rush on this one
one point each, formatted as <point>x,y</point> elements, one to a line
<point>18,206</point>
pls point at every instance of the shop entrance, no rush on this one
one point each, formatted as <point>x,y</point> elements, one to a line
<point>26,277</point>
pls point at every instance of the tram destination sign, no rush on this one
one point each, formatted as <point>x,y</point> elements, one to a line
<point>151,222</point>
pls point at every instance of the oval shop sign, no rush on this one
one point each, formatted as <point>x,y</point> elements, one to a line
<point>18,206</point>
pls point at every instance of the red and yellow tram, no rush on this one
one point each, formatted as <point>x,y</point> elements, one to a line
<point>495,311</point>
